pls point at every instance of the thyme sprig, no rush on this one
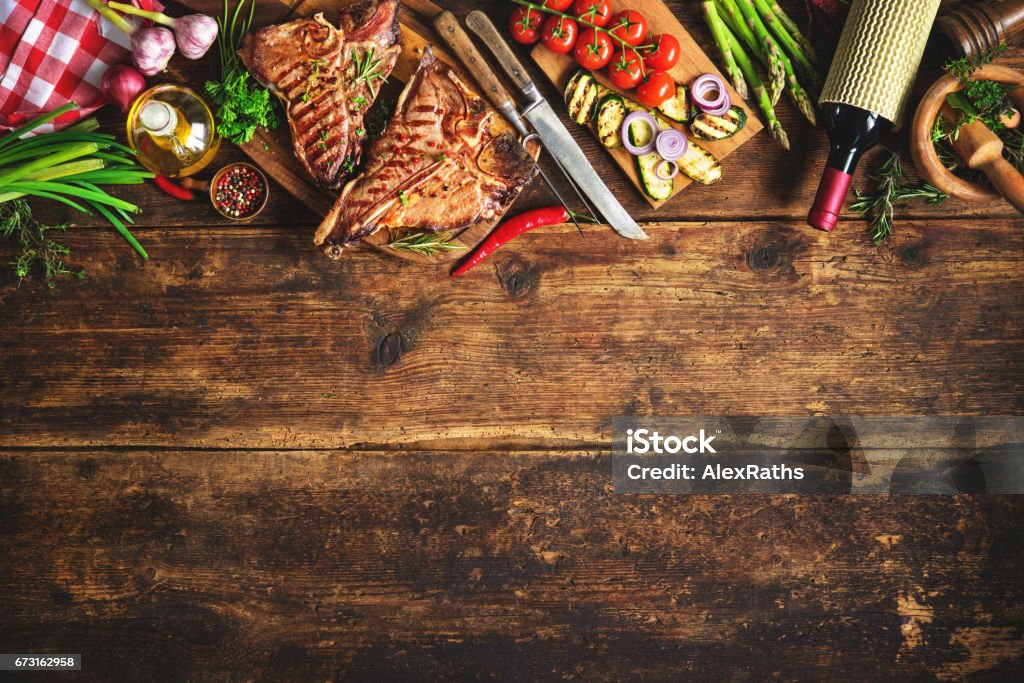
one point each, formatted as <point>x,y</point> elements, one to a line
<point>425,243</point>
<point>366,69</point>
<point>892,189</point>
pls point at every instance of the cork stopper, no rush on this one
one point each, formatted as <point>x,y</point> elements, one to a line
<point>879,54</point>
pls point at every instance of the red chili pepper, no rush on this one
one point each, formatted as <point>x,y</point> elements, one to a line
<point>175,191</point>
<point>524,222</point>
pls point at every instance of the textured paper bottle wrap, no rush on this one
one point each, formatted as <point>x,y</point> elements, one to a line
<point>879,54</point>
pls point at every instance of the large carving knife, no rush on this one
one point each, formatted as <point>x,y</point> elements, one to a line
<point>553,134</point>
<point>451,32</point>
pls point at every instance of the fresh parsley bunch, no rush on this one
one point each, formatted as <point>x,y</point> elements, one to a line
<point>242,105</point>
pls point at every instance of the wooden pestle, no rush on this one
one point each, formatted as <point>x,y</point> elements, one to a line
<point>982,150</point>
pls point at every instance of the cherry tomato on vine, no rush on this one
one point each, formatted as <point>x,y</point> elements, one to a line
<point>656,89</point>
<point>626,69</point>
<point>665,54</point>
<point>559,35</point>
<point>525,25</point>
<point>594,49</point>
<point>630,26</point>
<point>597,12</point>
<point>557,5</point>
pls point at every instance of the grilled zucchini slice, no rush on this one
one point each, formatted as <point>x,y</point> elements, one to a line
<point>654,187</point>
<point>610,117</point>
<point>679,108</point>
<point>711,128</point>
<point>581,96</point>
<point>701,165</point>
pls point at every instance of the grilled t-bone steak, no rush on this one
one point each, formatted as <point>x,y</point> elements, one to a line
<point>438,165</point>
<point>327,79</point>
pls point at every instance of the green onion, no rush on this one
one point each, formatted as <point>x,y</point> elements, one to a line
<point>69,166</point>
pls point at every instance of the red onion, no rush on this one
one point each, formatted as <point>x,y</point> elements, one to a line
<point>671,173</point>
<point>628,144</point>
<point>671,144</point>
<point>120,84</point>
<point>710,94</point>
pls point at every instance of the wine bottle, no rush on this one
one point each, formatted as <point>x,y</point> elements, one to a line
<point>865,95</point>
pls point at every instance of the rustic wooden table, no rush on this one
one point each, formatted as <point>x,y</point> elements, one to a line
<point>241,460</point>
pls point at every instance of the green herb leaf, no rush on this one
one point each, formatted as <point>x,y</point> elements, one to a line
<point>879,208</point>
<point>425,243</point>
<point>36,246</point>
<point>242,105</point>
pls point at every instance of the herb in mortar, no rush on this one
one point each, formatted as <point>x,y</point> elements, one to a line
<point>242,105</point>
<point>985,101</point>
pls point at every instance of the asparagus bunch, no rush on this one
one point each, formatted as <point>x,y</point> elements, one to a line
<point>759,28</point>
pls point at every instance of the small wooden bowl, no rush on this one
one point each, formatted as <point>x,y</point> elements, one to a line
<point>921,148</point>
<point>216,179</point>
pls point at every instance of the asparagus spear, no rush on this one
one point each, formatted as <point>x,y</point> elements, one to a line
<point>770,58</point>
<point>769,46</point>
<point>794,31</point>
<point>721,33</point>
<point>788,42</point>
<point>800,97</point>
<point>755,82</point>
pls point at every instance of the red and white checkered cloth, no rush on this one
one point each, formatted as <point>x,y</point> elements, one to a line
<point>53,52</point>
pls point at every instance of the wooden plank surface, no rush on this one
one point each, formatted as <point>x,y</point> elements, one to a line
<point>456,566</point>
<point>243,461</point>
<point>236,338</point>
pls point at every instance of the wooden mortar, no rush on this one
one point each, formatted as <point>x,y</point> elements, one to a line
<point>923,150</point>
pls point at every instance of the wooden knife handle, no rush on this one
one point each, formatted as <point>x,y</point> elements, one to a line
<point>480,24</point>
<point>461,44</point>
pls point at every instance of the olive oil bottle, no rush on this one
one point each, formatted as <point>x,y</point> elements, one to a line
<point>172,131</point>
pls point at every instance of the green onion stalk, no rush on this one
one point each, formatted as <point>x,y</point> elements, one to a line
<point>71,166</point>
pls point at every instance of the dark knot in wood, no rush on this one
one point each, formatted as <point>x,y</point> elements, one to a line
<point>516,277</point>
<point>773,253</point>
<point>389,350</point>
<point>913,255</point>
<point>769,255</point>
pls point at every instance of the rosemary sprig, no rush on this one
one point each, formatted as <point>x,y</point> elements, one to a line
<point>366,69</point>
<point>17,223</point>
<point>425,243</point>
<point>879,208</point>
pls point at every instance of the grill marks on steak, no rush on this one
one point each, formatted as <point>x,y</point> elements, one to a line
<point>437,166</point>
<point>309,65</point>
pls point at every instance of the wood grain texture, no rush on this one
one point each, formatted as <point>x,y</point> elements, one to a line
<point>243,461</point>
<point>248,338</point>
<point>439,566</point>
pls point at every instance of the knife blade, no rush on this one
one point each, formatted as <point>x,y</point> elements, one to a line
<point>452,33</point>
<point>553,133</point>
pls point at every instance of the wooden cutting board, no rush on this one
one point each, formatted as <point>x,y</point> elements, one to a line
<point>693,63</point>
<point>272,150</point>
